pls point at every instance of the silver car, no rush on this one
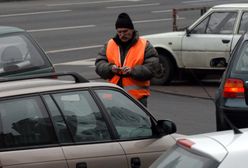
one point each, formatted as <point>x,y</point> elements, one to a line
<point>226,149</point>
<point>49,122</point>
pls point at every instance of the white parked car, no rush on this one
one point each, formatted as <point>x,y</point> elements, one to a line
<point>212,36</point>
<point>225,149</point>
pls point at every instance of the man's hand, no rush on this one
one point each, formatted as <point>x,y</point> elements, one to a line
<point>116,70</point>
<point>126,71</point>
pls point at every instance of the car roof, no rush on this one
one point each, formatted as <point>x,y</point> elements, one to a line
<point>232,6</point>
<point>29,84</point>
<point>9,29</point>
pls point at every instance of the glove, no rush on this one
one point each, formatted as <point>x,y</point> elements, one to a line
<point>126,71</point>
<point>116,70</point>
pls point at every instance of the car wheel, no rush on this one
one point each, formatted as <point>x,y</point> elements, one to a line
<point>168,70</point>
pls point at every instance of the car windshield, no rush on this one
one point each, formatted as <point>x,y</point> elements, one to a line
<point>178,157</point>
<point>19,54</point>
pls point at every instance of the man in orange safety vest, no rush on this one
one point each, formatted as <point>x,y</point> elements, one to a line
<point>128,60</point>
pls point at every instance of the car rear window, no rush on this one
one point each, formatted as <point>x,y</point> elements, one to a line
<point>242,59</point>
<point>18,53</point>
<point>178,157</point>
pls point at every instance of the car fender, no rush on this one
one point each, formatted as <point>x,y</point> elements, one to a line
<point>170,42</point>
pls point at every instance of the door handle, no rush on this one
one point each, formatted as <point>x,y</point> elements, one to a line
<point>135,162</point>
<point>81,165</point>
<point>225,41</point>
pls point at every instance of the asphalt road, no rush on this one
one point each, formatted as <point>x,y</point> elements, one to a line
<point>72,32</point>
<point>191,115</point>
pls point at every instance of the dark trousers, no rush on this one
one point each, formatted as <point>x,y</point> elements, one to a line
<point>143,100</point>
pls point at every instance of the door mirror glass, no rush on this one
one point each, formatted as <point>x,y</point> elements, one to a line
<point>187,32</point>
<point>166,127</point>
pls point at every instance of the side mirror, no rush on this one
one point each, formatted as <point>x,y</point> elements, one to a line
<point>218,62</point>
<point>188,32</point>
<point>166,127</point>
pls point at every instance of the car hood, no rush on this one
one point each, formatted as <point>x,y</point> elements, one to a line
<point>163,35</point>
<point>172,41</point>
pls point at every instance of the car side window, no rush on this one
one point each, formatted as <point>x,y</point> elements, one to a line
<point>25,122</point>
<point>130,121</point>
<point>217,23</point>
<point>244,23</point>
<point>201,28</point>
<point>82,116</point>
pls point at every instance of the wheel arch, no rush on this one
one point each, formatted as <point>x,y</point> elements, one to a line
<point>167,53</point>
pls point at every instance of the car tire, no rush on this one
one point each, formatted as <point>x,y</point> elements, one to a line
<point>168,70</point>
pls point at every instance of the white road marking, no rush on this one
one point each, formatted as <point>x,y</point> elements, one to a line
<point>155,20</point>
<point>99,46</point>
<point>73,49</point>
<point>61,28</point>
<point>86,3</point>
<point>86,62</point>
<point>131,6</point>
<point>197,1</point>
<point>162,11</point>
<point>34,13</point>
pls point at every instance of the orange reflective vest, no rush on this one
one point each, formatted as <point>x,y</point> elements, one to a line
<point>134,57</point>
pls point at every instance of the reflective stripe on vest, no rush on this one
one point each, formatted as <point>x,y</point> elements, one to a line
<point>134,57</point>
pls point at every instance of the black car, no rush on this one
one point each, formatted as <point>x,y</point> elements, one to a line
<point>231,102</point>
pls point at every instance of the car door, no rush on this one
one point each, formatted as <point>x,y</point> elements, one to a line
<point>211,38</point>
<point>91,145</point>
<point>27,137</point>
<point>134,128</point>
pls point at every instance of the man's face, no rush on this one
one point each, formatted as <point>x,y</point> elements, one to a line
<point>125,34</point>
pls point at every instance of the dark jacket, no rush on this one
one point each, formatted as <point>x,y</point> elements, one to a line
<point>149,69</point>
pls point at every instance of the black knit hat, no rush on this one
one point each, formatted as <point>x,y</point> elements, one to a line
<point>124,21</point>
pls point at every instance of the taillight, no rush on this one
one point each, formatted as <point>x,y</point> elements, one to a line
<point>185,142</point>
<point>233,88</point>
